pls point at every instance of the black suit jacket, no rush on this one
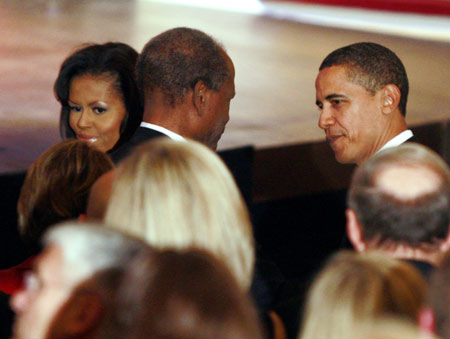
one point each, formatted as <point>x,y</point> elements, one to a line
<point>141,135</point>
<point>239,160</point>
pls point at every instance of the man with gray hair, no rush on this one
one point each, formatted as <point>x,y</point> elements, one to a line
<point>399,204</point>
<point>186,80</point>
<point>71,290</point>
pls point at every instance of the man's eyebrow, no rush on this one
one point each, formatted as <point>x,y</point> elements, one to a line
<point>334,96</point>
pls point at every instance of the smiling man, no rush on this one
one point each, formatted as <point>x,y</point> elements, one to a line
<point>361,91</point>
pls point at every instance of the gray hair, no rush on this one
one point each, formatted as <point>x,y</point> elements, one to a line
<point>89,248</point>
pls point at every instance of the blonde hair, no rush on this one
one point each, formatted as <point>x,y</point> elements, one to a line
<point>354,288</point>
<point>389,328</point>
<point>181,195</point>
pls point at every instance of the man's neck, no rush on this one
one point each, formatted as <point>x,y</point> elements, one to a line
<point>174,118</point>
<point>403,252</point>
<point>396,126</point>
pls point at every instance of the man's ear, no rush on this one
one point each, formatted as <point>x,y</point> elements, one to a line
<point>426,320</point>
<point>354,232</point>
<point>390,98</point>
<point>86,310</point>
<point>200,96</point>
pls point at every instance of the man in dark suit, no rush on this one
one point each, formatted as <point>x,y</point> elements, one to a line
<point>361,91</point>
<point>187,82</point>
<point>399,203</point>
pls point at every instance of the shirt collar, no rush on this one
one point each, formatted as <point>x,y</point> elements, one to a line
<point>397,140</point>
<point>165,131</point>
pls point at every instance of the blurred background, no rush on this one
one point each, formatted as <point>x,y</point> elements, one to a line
<point>276,46</point>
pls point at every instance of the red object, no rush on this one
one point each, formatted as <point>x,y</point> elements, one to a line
<point>11,279</point>
<point>435,7</point>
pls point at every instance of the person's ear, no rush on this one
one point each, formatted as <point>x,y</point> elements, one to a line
<point>200,96</point>
<point>426,320</point>
<point>390,98</point>
<point>85,312</point>
<point>354,232</point>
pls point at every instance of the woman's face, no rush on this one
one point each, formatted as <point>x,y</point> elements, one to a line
<point>96,110</point>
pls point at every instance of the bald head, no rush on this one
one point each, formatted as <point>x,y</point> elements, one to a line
<point>407,182</point>
<point>402,196</point>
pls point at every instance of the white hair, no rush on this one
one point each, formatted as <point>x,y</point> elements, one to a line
<point>89,247</point>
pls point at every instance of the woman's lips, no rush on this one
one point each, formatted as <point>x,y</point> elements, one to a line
<point>86,138</point>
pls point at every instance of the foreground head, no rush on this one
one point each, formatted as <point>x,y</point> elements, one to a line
<point>179,195</point>
<point>356,288</point>
<point>60,299</point>
<point>187,294</point>
<point>361,91</point>
<point>184,63</point>
<point>57,185</point>
<point>401,196</point>
<point>100,102</point>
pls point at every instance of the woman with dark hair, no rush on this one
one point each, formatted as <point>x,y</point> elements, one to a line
<point>100,102</point>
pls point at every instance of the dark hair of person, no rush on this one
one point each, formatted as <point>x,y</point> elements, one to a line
<point>184,294</point>
<point>177,59</point>
<point>371,66</point>
<point>115,60</point>
<point>383,216</point>
<point>56,187</point>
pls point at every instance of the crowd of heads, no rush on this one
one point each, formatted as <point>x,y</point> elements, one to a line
<point>167,250</point>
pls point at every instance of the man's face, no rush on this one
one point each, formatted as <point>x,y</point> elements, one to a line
<point>217,109</point>
<point>350,116</point>
<point>44,295</point>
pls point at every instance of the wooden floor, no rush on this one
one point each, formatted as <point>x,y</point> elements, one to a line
<point>276,64</point>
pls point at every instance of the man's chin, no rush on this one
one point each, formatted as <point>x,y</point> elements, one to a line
<point>343,159</point>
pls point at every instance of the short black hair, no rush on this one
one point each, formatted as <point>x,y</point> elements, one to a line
<point>117,60</point>
<point>175,60</point>
<point>371,66</point>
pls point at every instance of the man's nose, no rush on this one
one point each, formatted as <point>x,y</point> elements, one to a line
<point>326,118</point>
